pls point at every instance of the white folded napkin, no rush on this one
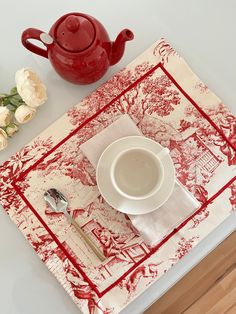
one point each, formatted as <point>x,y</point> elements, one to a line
<point>154,226</point>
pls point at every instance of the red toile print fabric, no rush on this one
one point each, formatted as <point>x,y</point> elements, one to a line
<point>170,105</point>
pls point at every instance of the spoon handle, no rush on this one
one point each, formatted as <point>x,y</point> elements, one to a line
<point>95,249</point>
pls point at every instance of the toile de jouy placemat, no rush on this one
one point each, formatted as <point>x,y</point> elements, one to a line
<point>170,105</point>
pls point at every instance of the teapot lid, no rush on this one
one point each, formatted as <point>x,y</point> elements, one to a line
<point>75,33</point>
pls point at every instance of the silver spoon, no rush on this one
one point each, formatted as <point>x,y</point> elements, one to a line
<point>57,201</point>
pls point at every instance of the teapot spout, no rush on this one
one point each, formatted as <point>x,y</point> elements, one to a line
<point>118,46</point>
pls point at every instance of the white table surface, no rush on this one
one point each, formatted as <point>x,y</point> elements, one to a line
<point>202,31</point>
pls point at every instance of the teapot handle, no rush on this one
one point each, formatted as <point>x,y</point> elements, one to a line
<point>33,33</point>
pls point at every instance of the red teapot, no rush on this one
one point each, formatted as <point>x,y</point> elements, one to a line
<point>78,47</point>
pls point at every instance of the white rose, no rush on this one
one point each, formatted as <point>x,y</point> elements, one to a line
<point>3,139</point>
<point>5,116</point>
<point>24,114</point>
<point>11,129</point>
<point>30,88</point>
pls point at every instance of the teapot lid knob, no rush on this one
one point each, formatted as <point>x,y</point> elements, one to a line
<point>75,33</point>
<point>72,23</point>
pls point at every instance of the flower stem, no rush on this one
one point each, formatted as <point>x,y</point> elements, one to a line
<point>9,96</point>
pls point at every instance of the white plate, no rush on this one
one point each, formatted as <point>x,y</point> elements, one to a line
<point>113,198</point>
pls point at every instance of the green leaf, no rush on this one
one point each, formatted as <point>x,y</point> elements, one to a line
<point>17,97</point>
<point>6,101</point>
<point>15,102</point>
<point>13,90</point>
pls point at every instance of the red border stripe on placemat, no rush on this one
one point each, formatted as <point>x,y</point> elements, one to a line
<point>170,235</point>
<point>197,107</point>
<point>86,122</point>
<point>73,261</point>
<point>152,251</point>
<point>54,237</point>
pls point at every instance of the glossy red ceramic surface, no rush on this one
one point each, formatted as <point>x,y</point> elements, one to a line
<point>78,47</point>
